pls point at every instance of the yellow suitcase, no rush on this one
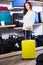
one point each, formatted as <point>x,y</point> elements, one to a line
<point>28,49</point>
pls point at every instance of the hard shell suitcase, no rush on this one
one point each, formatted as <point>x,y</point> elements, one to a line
<point>28,49</point>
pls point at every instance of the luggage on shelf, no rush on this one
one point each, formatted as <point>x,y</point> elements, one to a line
<point>3,8</point>
<point>39,40</point>
<point>10,44</point>
<point>17,18</point>
<point>36,18</point>
<point>15,42</point>
<point>40,14</point>
<point>39,17</point>
<point>5,46</point>
<point>5,16</point>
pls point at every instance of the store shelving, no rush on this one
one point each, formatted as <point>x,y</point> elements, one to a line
<point>7,26</point>
<point>16,9</point>
<point>34,3</point>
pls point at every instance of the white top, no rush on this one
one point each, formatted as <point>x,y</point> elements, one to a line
<point>28,20</point>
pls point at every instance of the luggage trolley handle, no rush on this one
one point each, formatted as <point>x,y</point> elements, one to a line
<point>25,34</point>
<point>29,29</point>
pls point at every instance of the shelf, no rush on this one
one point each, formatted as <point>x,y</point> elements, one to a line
<point>38,24</point>
<point>7,26</point>
<point>34,3</point>
<point>16,8</point>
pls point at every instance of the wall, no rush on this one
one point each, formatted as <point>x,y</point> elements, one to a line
<point>37,8</point>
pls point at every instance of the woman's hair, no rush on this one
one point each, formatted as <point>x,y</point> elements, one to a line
<point>25,10</point>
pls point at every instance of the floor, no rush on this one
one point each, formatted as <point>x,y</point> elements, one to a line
<point>16,60</point>
<point>13,59</point>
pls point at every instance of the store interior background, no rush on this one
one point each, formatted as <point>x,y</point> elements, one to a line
<point>8,3</point>
<point>37,6</point>
<point>14,58</point>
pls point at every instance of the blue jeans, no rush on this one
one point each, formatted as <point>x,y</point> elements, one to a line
<point>27,34</point>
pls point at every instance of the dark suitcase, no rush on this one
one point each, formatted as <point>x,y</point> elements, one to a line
<point>39,17</point>
<point>39,59</point>
<point>40,14</point>
<point>12,42</point>
<point>39,40</point>
<point>15,42</point>
<point>5,47</point>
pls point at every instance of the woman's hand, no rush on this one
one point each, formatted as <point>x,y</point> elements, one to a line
<point>29,27</point>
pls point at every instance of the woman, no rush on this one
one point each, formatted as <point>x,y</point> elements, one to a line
<point>28,20</point>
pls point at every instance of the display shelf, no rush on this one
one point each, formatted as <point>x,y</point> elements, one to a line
<point>36,3</point>
<point>38,24</point>
<point>18,28</point>
<point>16,9</point>
<point>7,26</point>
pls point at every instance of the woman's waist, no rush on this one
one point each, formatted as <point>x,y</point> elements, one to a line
<point>27,28</point>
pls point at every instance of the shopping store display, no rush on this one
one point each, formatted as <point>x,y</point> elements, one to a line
<point>10,44</point>
<point>14,44</point>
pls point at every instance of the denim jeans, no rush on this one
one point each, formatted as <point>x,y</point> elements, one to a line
<point>27,34</point>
